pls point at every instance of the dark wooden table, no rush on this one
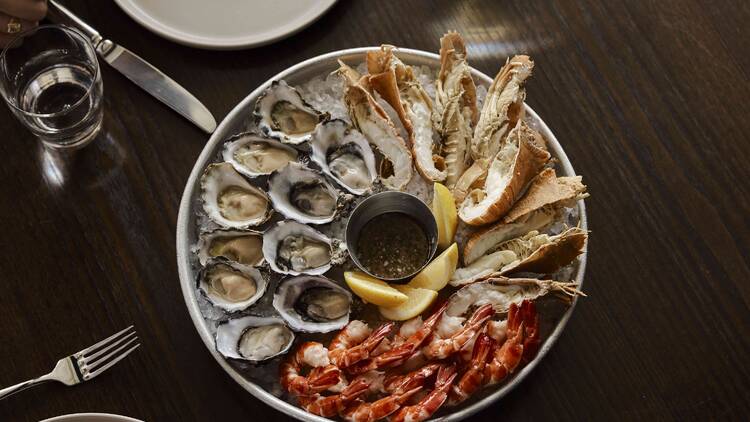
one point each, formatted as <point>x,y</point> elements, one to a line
<point>649,99</point>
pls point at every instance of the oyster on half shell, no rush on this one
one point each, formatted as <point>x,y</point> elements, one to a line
<point>243,246</point>
<point>303,194</point>
<point>230,285</point>
<point>230,200</point>
<point>294,248</point>
<point>253,339</point>
<point>312,304</point>
<point>254,155</point>
<point>283,114</point>
<point>345,155</point>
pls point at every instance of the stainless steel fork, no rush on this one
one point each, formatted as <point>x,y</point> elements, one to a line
<point>86,364</point>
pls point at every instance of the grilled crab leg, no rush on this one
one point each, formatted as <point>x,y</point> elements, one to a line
<point>456,111</point>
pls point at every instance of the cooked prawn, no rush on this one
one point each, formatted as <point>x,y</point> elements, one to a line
<point>369,412</point>
<point>506,358</point>
<point>432,401</point>
<point>441,348</point>
<point>417,378</point>
<point>328,406</point>
<point>320,378</point>
<point>473,379</point>
<point>354,344</point>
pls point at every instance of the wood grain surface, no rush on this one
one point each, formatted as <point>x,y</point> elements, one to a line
<point>648,98</point>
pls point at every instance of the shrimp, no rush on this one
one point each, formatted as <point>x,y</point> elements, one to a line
<point>369,412</point>
<point>320,378</point>
<point>441,348</point>
<point>354,343</point>
<point>473,379</point>
<point>401,353</point>
<point>507,357</point>
<point>328,406</point>
<point>432,401</point>
<point>400,383</point>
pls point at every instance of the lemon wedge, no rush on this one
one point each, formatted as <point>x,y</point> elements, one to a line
<point>372,290</point>
<point>418,300</point>
<point>446,216</point>
<point>438,272</point>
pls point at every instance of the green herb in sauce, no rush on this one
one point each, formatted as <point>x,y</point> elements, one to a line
<point>392,245</point>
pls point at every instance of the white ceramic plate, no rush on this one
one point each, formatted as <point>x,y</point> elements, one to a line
<point>237,120</point>
<point>225,24</point>
<point>91,417</point>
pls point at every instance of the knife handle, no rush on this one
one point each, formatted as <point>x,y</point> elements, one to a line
<point>59,13</point>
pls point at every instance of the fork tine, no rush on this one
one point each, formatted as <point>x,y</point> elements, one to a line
<point>110,346</point>
<point>114,361</point>
<point>92,365</point>
<point>103,342</point>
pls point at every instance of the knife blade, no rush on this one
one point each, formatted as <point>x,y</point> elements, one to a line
<point>139,71</point>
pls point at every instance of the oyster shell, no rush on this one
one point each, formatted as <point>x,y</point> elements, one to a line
<point>253,339</point>
<point>370,118</point>
<point>293,248</point>
<point>230,200</point>
<point>344,154</point>
<point>398,86</point>
<point>243,246</point>
<point>283,114</point>
<point>313,304</point>
<point>501,111</point>
<point>521,157</point>
<point>231,286</point>
<point>534,252</point>
<point>456,111</point>
<point>253,155</point>
<point>303,194</point>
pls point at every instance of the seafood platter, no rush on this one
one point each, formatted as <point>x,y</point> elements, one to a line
<point>383,233</point>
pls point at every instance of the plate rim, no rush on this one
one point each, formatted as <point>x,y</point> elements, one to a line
<point>183,247</point>
<point>109,416</point>
<point>136,12</point>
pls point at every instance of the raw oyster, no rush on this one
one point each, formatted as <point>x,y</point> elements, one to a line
<point>521,157</point>
<point>370,118</point>
<point>502,110</point>
<point>534,253</point>
<point>254,339</point>
<point>303,194</point>
<point>398,86</point>
<point>230,285</point>
<point>456,111</point>
<point>230,200</point>
<point>243,246</point>
<point>294,248</point>
<point>344,154</point>
<point>313,304</point>
<point>283,114</point>
<point>253,155</point>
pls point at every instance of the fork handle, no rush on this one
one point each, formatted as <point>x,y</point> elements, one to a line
<point>9,391</point>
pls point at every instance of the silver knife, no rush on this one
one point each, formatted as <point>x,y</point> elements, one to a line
<point>143,74</point>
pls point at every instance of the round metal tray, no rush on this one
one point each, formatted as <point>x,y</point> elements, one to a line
<point>237,120</point>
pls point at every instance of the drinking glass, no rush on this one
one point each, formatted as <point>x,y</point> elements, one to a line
<point>50,79</point>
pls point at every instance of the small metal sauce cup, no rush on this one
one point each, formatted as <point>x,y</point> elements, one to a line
<point>387,202</point>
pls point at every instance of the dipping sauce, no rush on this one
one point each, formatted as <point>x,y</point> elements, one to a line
<point>392,245</point>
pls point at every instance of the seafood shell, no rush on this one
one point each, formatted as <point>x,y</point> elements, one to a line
<point>313,304</point>
<point>456,111</point>
<point>231,286</point>
<point>243,246</point>
<point>398,86</point>
<point>253,339</point>
<point>344,155</point>
<point>370,118</point>
<point>303,194</point>
<point>230,200</point>
<point>254,156</point>
<point>521,157</point>
<point>303,243</point>
<point>283,114</point>
<point>533,253</point>
<point>501,111</point>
